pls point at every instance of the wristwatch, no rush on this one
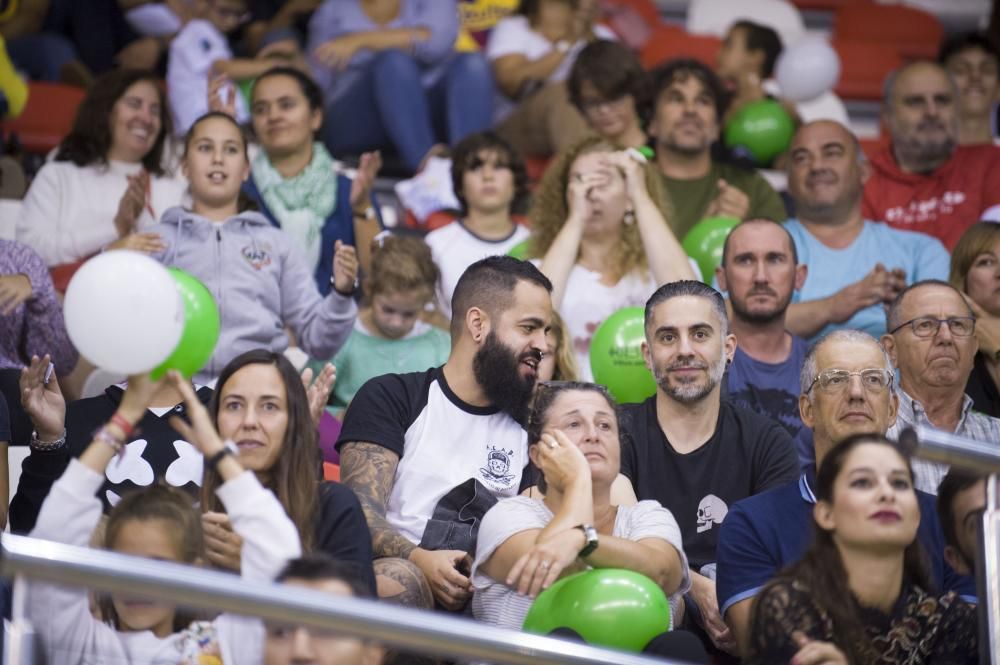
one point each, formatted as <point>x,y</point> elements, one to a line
<point>367,214</point>
<point>590,533</point>
<point>228,448</point>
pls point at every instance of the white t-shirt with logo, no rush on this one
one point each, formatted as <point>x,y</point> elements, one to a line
<point>442,443</point>
<point>587,302</point>
<point>454,248</point>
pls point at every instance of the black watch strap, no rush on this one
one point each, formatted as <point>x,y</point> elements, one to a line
<point>212,462</point>
<point>590,533</point>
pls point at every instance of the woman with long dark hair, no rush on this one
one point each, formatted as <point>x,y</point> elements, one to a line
<point>108,181</point>
<point>862,593</point>
<point>261,406</point>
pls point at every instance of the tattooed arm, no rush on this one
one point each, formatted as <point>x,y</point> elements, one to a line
<point>369,469</point>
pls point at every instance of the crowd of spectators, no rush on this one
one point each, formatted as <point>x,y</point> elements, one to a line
<point>412,417</point>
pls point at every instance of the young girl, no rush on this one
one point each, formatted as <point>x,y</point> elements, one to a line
<point>156,523</point>
<point>261,404</point>
<point>389,336</point>
<point>261,283</point>
<point>862,593</point>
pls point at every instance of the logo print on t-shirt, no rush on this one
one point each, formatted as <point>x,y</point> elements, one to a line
<point>711,510</point>
<point>497,469</point>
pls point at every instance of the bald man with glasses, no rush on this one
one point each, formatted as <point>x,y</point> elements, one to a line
<point>847,389</point>
<point>932,342</point>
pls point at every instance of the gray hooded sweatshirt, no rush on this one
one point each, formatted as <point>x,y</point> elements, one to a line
<point>260,282</point>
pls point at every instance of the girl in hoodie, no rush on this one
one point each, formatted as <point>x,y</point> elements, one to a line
<point>261,282</point>
<point>160,523</point>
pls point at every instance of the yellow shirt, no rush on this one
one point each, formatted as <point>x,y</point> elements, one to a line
<point>476,18</point>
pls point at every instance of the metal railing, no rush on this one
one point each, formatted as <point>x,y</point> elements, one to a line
<point>407,629</point>
<point>977,457</point>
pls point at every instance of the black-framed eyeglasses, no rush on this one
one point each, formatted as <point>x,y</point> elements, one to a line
<point>928,326</point>
<point>873,379</point>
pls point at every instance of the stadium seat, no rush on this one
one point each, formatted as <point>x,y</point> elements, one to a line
<point>47,117</point>
<point>915,33</point>
<point>863,68</point>
<point>873,145</point>
<point>826,5</point>
<point>669,42</point>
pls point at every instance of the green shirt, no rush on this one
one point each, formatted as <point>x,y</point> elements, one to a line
<point>691,198</point>
<point>364,357</point>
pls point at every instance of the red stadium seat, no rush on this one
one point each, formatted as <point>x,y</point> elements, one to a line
<point>669,42</point>
<point>874,145</point>
<point>47,117</point>
<point>915,33</point>
<point>863,68</point>
<point>644,8</point>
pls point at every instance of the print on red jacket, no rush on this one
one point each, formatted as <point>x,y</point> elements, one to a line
<point>943,203</point>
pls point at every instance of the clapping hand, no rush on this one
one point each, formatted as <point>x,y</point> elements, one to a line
<point>318,391</point>
<point>43,401</point>
<point>345,268</point>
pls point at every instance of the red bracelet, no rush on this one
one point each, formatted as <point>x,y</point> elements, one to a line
<point>125,426</point>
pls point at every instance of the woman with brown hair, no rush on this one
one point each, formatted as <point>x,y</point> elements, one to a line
<point>975,271</point>
<point>599,226</point>
<point>107,181</point>
<point>862,593</point>
<point>262,407</point>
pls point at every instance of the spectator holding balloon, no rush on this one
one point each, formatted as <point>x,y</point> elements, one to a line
<point>599,225</point>
<point>526,544</point>
<point>262,283</point>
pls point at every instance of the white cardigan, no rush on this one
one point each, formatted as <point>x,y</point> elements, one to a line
<point>69,210</point>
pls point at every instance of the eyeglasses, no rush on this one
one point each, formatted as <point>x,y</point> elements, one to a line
<point>928,326</point>
<point>836,380</point>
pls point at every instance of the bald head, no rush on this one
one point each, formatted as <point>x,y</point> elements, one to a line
<point>920,111</point>
<point>826,173</point>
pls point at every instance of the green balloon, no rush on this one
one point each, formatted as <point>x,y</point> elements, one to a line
<point>201,328</point>
<point>761,130</point>
<point>520,250</point>
<point>704,243</point>
<point>616,356</point>
<point>610,607</point>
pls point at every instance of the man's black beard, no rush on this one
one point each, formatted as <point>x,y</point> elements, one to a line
<point>497,370</point>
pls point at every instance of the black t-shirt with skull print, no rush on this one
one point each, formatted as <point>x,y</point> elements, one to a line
<point>747,454</point>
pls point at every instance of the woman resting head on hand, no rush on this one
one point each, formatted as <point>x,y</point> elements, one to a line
<point>525,544</point>
<point>862,593</point>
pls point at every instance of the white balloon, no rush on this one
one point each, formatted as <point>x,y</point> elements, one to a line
<point>123,312</point>
<point>807,69</point>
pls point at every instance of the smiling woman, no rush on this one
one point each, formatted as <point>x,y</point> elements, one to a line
<point>108,181</point>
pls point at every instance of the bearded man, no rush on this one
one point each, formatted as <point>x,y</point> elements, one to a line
<point>692,451</point>
<point>428,453</point>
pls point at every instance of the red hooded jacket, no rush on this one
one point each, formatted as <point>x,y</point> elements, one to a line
<point>943,204</point>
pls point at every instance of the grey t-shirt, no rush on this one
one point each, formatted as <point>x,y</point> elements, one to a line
<point>496,603</point>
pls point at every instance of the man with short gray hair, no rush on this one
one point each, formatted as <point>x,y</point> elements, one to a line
<point>932,340</point>
<point>847,390</point>
<point>924,181</point>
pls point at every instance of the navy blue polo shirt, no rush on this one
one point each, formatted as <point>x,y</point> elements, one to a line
<point>768,531</point>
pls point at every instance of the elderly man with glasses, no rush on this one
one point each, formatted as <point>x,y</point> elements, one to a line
<point>932,341</point>
<point>847,389</point>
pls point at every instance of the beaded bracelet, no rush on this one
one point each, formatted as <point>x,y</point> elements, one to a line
<point>43,446</point>
<point>104,435</point>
